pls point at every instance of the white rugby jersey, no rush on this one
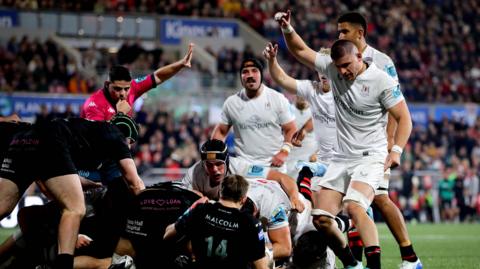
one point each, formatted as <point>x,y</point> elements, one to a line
<point>323,113</point>
<point>271,201</point>
<point>381,60</point>
<point>360,108</point>
<point>257,123</point>
<point>309,145</point>
<point>197,179</point>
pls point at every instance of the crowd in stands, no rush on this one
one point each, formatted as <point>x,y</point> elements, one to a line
<point>35,66</point>
<point>433,43</point>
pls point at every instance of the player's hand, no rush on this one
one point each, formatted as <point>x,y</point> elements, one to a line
<point>11,118</point>
<point>187,59</point>
<point>270,51</point>
<point>298,137</point>
<point>392,160</point>
<point>313,158</point>
<point>123,106</point>
<point>89,184</point>
<point>283,18</point>
<point>297,204</point>
<point>279,158</point>
<point>83,241</point>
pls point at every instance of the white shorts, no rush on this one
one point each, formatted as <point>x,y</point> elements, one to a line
<point>383,186</point>
<point>339,173</point>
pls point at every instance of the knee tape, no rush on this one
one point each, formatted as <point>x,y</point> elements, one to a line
<point>320,212</point>
<point>357,197</point>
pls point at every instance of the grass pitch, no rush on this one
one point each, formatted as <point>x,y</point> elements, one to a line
<point>439,246</point>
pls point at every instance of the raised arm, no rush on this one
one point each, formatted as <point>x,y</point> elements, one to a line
<point>295,43</point>
<point>276,72</point>
<point>166,72</point>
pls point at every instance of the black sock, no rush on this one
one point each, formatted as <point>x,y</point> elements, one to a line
<point>64,261</point>
<point>356,244</point>
<point>372,254</point>
<point>408,254</point>
<point>304,183</point>
<point>346,257</point>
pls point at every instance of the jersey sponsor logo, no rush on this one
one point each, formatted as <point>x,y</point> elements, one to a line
<point>323,117</point>
<point>350,109</point>
<point>254,122</point>
<point>161,202</point>
<point>365,91</point>
<point>391,70</point>
<point>92,104</point>
<point>396,92</point>
<point>255,171</point>
<point>279,215</point>
<point>140,79</point>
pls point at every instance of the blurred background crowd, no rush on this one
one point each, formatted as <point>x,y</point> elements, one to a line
<point>433,44</point>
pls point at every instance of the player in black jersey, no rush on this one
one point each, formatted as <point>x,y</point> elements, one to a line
<point>52,153</point>
<point>222,236</point>
<point>154,208</point>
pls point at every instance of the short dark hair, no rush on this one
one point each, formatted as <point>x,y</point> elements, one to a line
<point>234,188</point>
<point>354,18</point>
<point>119,72</point>
<point>341,48</point>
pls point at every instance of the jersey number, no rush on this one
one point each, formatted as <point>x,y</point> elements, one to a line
<point>220,250</point>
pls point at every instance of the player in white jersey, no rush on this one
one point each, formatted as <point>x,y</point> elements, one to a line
<point>206,175</point>
<point>261,119</point>
<point>363,94</point>
<point>352,26</point>
<point>320,98</point>
<point>308,148</point>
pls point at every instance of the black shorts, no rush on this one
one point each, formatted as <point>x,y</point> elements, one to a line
<point>40,153</point>
<point>19,163</point>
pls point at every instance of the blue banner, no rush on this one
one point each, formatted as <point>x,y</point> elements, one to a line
<point>419,114</point>
<point>27,105</point>
<point>8,18</point>
<point>172,30</point>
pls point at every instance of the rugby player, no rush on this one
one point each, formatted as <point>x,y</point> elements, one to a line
<point>52,153</point>
<point>261,119</point>
<point>353,26</point>
<point>357,150</point>
<point>222,236</point>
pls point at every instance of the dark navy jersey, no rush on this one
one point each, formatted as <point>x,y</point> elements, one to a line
<point>154,209</point>
<point>222,237</point>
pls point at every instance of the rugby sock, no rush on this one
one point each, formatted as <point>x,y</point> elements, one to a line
<point>408,254</point>
<point>356,244</point>
<point>64,261</point>
<point>372,254</point>
<point>304,182</point>
<point>345,255</point>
